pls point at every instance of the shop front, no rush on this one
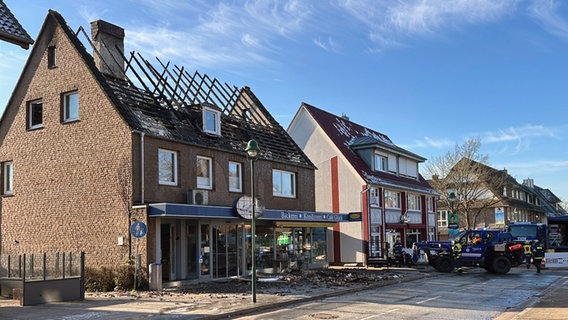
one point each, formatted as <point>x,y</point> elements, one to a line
<point>202,242</point>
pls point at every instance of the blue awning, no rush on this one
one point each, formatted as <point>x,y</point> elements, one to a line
<point>177,210</point>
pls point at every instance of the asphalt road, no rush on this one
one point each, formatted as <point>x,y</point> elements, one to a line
<point>473,295</point>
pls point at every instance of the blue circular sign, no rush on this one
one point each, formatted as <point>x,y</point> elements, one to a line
<point>138,229</point>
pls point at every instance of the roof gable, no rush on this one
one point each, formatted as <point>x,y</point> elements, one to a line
<point>11,30</point>
<point>347,136</point>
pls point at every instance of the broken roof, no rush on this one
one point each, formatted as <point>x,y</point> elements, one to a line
<point>164,101</point>
<point>348,136</point>
<point>11,30</point>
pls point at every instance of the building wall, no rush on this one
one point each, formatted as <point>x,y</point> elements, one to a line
<point>220,195</point>
<point>66,195</point>
<point>320,149</point>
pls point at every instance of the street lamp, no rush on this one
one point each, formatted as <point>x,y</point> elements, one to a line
<point>453,223</point>
<point>252,152</point>
<point>452,198</point>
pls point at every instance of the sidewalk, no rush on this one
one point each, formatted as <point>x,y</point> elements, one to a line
<point>172,305</point>
<point>551,304</point>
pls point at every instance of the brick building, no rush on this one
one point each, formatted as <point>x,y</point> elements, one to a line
<point>92,143</point>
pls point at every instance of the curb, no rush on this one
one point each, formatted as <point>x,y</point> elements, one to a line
<point>276,305</point>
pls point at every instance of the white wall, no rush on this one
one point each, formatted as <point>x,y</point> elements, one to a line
<point>320,149</point>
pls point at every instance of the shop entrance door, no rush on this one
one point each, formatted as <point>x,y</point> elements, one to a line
<point>168,243</point>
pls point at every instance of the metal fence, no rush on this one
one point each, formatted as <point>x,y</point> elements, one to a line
<point>43,266</point>
<point>43,278</point>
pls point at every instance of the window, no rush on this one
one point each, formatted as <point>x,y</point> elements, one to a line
<point>8,175</point>
<point>374,197</point>
<point>204,173</point>
<point>414,202</point>
<point>211,121</point>
<point>381,163</point>
<point>51,61</point>
<point>430,204</point>
<point>71,106</point>
<point>167,167</point>
<point>443,218</point>
<point>235,177</point>
<point>35,114</point>
<point>392,199</point>
<point>283,184</point>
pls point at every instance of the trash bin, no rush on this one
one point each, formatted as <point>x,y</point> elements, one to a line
<point>155,276</point>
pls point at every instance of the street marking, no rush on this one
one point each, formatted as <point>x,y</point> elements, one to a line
<point>423,301</point>
<point>384,312</point>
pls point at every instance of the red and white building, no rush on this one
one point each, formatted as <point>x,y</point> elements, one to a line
<point>360,170</point>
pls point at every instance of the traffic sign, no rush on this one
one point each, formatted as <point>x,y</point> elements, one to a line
<point>138,229</point>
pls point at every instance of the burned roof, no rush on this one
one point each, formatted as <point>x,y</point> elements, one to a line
<point>11,30</point>
<point>348,136</point>
<point>164,101</point>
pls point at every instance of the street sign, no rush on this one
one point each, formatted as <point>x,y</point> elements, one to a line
<point>138,229</point>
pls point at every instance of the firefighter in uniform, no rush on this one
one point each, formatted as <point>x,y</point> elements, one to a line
<point>527,248</point>
<point>538,255</point>
<point>397,250</point>
<point>457,252</point>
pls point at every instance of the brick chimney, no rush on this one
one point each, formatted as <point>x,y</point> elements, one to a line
<point>108,40</point>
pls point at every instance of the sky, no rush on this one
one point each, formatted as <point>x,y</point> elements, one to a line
<point>429,74</point>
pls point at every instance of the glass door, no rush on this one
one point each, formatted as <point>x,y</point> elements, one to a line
<point>205,251</point>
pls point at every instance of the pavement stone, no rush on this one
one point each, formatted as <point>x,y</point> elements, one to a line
<point>551,304</point>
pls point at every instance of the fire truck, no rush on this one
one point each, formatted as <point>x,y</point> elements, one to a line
<point>495,251</point>
<point>553,234</point>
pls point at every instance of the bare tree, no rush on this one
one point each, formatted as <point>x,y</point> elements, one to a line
<point>466,173</point>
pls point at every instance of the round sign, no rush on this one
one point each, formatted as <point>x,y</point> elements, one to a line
<point>244,207</point>
<point>138,229</point>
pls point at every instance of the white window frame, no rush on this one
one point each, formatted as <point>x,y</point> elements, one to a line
<point>392,199</point>
<point>443,218</point>
<point>414,202</point>
<point>204,178</point>
<point>69,114</point>
<point>8,174</point>
<point>216,121</point>
<point>381,162</point>
<point>172,172</point>
<point>430,203</point>
<point>374,197</point>
<point>32,105</point>
<point>235,176</point>
<point>279,178</point>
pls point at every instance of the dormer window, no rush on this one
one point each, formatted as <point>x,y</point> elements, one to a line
<point>381,162</point>
<point>211,121</point>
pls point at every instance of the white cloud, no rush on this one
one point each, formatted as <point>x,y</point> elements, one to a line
<point>327,45</point>
<point>224,34</point>
<point>428,143</point>
<point>547,16</point>
<point>390,21</point>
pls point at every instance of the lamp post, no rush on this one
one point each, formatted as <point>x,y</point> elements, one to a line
<point>252,152</point>
<point>453,224</point>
